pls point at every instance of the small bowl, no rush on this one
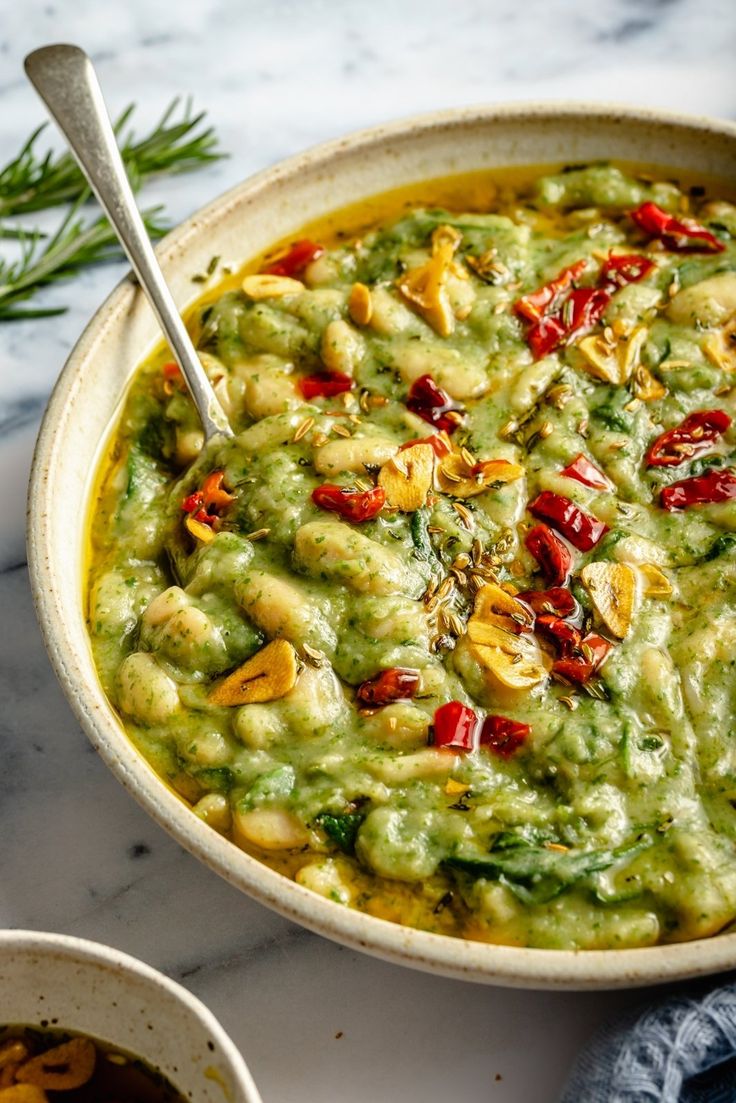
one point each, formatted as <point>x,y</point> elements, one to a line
<point>57,982</point>
<point>87,399</point>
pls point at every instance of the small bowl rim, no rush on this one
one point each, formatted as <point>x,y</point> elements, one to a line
<point>481,962</point>
<point>75,950</point>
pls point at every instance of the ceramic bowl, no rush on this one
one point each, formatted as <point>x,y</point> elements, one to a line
<point>242,223</point>
<point>55,981</point>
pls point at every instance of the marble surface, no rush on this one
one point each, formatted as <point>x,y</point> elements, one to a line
<point>315,1021</point>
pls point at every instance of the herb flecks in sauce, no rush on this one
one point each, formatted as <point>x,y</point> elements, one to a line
<point>481,486</point>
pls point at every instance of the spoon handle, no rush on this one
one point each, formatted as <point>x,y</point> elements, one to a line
<point>66,81</point>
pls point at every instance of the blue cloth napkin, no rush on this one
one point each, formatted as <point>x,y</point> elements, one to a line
<point>679,1050</point>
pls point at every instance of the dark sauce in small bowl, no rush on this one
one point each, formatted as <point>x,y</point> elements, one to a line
<point>66,1067</point>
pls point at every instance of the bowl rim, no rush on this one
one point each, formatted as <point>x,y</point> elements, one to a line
<point>75,950</point>
<point>490,963</point>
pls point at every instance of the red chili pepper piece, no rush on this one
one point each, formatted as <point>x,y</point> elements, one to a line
<point>580,528</point>
<point>551,553</point>
<point>204,505</point>
<point>717,485</point>
<point>585,307</point>
<point>502,735</point>
<point>173,379</point>
<point>545,299</point>
<point>296,260</point>
<point>214,494</point>
<point>193,502</point>
<point>620,270</point>
<point>560,312</point>
<point>438,442</point>
<point>584,471</point>
<point>455,727</point>
<point>325,384</point>
<point>353,505</point>
<point>555,600</point>
<point>580,667</point>
<point>675,234</point>
<point>692,437</point>
<point>565,635</point>
<point>433,404</point>
<point>545,336</point>
<point>578,314</point>
<point>205,518</point>
<point>395,684</point>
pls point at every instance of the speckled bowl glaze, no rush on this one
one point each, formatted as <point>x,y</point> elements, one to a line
<point>83,407</point>
<point>54,981</point>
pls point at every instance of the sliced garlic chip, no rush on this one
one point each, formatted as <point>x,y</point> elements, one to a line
<point>63,1068</point>
<point>654,582</point>
<point>407,477</point>
<point>263,286</point>
<point>496,607</point>
<point>269,674</point>
<point>600,359</point>
<point>360,304</point>
<point>613,362</point>
<point>612,589</point>
<point>499,642</point>
<point>646,386</point>
<point>460,475</point>
<point>425,287</point>
<point>520,669</point>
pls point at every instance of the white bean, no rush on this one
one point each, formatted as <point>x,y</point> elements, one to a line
<point>164,605</point>
<point>112,603</point>
<point>531,384</point>
<point>353,454</point>
<point>278,606</point>
<point>270,432</point>
<point>187,631</point>
<point>455,371</point>
<point>331,548</point>
<point>390,316</point>
<point>271,394</point>
<point>189,444</point>
<point>322,270</point>
<point>146,692</point>
<point>639,549</point>
<point>316,701</point>
<point>268,386</point>
<point>211,748</point>
<point>426,763</point>
<point>709,303</point>
<point>329,878</point>
<point>399,724</point>
<point>462,296</point>
<point>257,726</point>
<point>342,347</point>
<point>214,809</point>
<point>269,829</point>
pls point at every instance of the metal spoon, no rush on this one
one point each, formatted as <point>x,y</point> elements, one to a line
<point>66,81</point>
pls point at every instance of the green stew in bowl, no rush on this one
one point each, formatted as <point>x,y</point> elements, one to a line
<point>447,631</point>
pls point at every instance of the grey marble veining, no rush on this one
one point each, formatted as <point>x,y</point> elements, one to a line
<point>315,1021</point>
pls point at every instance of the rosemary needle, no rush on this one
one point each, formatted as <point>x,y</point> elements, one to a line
<point>73,246</point>
<point>32,183</point>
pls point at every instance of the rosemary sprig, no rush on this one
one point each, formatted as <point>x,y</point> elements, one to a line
<point>73,246</point>
<point>33,183</point>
